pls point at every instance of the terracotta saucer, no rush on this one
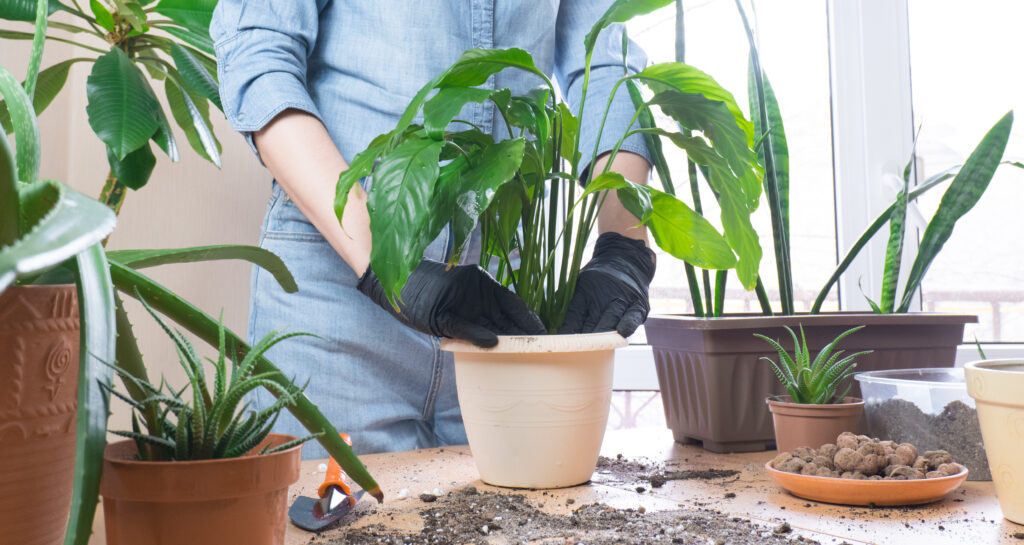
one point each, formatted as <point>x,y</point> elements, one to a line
<point>864,492</point>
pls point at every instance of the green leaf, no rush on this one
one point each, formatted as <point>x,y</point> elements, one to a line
<point>197,77</point>
<point>57,224</point>
<point>439,111</point>
<point>894,250</point>
<point>102,14</point>
<point>192,14</point>
<point>686,79</point>
<point>476,188</point>
<point>192,115</point>
<point>9,200</point>
<point>26,127</point>
<point>131,11</point>
<point>620,12</point>
<point>24,10</point>
<point>138,259</point>
<point>196,38</point>
<point>49,84</point>
<point>476,65</point>
<point>777,138</point>
<point>398,205</point>
<point>96,316</point>
<point>135,169</point>
<point>360,166</point>
<point>963,193</point>
<point>121,106</point>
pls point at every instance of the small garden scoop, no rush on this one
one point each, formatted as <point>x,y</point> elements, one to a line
<point>336,500</point>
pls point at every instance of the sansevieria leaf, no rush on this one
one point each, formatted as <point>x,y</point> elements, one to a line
<point>121,106</point>
<point>963,193</point>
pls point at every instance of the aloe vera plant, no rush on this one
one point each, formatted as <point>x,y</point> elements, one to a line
<point>124,40</point>
<point>814,381</point>
<point>210,421</point>
<point>525,191</point>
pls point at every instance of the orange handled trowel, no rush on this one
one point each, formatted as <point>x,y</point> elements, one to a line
<point>336,500</point>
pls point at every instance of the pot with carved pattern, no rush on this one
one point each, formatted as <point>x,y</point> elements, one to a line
<point>39,338</point>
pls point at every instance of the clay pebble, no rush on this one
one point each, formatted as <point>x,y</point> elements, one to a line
<point>860,457</point>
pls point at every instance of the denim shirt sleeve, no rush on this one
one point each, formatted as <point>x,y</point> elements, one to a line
<point>262,50</point>
<point>575,18</point>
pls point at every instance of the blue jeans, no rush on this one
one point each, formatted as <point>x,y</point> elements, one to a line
<point>391,388</point>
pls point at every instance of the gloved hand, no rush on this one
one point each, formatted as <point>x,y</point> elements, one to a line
<point>462,303</point>
<point>611,293</point>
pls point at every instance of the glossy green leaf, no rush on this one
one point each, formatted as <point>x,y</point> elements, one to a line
<point>196,75</point>
<point>402,185</point>
<point>207,328</point>
<point>193,116</point>
<point>135,169</point>
<point>697,112</point>
<point>102,14</point>
<point>132,12</point>
<point>963,193</point>
<point>569,130</point>
<point>676,228</point>
<point>57,223</point>
<point>360,166</point>
<point>196,38</point>
<point>50,82</point>
<point>476,188</point>
<point>689,80</point>
<point>121,106</point>
<point>192,14</point>
<point>619,12</point>
<point>165,139</point>
<point>96,315</point>
<point>26,127</point>
<point>265,259</point>
<point>24,10</point>
<point>439,111</point>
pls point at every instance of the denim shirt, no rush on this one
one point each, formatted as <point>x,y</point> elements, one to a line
<point>356,64</point>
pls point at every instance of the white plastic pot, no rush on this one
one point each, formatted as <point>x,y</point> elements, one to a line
<point>536,408</point>
<point>998,388</point>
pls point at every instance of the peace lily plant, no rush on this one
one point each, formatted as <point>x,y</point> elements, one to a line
<point>527,191</point>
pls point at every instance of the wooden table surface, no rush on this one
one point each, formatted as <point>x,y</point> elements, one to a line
<point>969,516</point>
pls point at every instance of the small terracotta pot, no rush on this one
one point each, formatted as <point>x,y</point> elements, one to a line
<point>241,501</point>
<point>807,425</point>
<point>39,337</point>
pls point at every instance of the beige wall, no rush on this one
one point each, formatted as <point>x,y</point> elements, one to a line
<point>185,204</point>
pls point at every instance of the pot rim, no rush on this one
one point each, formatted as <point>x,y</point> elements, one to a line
<point>116,445</point>
<point>848,401</point>
<point>993,365</point>
<point>755,321</point>
<point>533,344</point>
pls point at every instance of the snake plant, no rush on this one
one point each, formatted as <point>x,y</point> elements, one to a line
<point>123,41</point>
<point>969,182</point>
<point>818,381</point>
<point>426,175</point>
<point>210,421</point>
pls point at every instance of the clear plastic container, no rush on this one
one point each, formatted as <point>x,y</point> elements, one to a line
<point>928,408</point>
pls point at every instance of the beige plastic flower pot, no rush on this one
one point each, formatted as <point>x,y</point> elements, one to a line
<point>536,408</point>
<point>996,386</point>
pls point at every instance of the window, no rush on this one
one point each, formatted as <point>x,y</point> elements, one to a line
<point>794,50</point>
<point>964,80</point>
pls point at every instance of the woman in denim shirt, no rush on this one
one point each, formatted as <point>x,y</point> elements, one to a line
<point>309,83</point>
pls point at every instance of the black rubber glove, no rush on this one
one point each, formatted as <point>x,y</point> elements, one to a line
<point>462,303</point>
<point>611,293</point>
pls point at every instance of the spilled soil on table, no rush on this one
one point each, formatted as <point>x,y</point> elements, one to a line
<point>467,516</point>
<point>625,470</point>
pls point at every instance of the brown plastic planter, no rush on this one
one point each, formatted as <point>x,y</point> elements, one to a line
<point>807,425</point>
<point>233,501</point>
<point>39,337</point>
<point>713,383</point>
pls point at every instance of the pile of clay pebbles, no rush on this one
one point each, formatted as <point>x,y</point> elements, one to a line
<point>861,457</point>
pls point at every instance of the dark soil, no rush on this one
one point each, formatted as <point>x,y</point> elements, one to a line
<point>955,430</point>
<point>467,516</point>
<point>626,470</point>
